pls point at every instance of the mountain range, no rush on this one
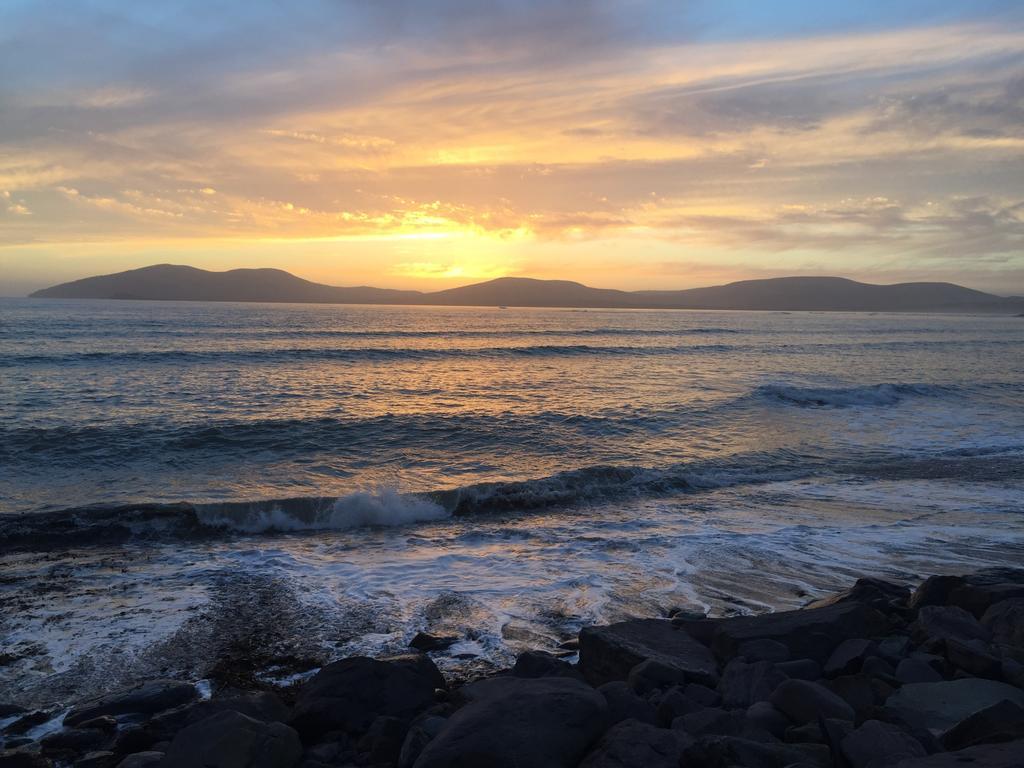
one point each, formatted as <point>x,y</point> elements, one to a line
<point>169,282</point>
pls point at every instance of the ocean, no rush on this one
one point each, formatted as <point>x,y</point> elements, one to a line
<point>180,480</point>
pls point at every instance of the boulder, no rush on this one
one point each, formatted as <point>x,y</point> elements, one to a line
<point>350,694</point>
<point>884,596</point>
<point>856,690</point>
<point>941,706</point>
<point>764,717</point>
<point>812,633</point>
<point>232,740</point>
<point>802,701</point>
<point>974,657</point>
<point>623,704</point>
<point>742,684</point>
<point>146,699</point>
<point>763,650</point>
<point>632,744</point>
<point>848,657</point>
<point>724,751</point>
<point>974,593</point>
<point>98,759</point>
<point>674,703</point>
<point>609,653</point>
<point>382,743</point>
<point>513,722</point>
<point>422,730</point>
<point>142,760</point>
<point>876,666</point>
<point>711,721</point>
<point>942,622</point>
<point>424,641</point>
<point>652,675</point>
<point>1005,620</point>
<point>542,664</point>
<point>1006,755</point>
<point>916,671</point>
<point>1003,721</point>
<point>878,743</point>
<point>23,758</point>
<point>800,669</point>
<point>703,695</point>
<point>73,740</point>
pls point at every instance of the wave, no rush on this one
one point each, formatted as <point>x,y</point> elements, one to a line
<point>844,397</point>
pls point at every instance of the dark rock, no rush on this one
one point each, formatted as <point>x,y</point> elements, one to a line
<point>876,666</point>
<point>10,710</point>
<point>973,656</point>
<point>383,742</point>
<point>609,653</point>
<point>894,648</point>
<point>1003,721</point>
<point>632,744</point>
<point>623,704</point>
<point>724,751</point>
<point>350,694</point>
<point>72,740</point>
<point>834,732</point>
<point>764,717</point>
<point>17,741</point>
<point>857,691</point>
<point>29,721</point>
<point>422,730</point>
<point>742,684</point>
<point>702,695</point>
<point>22,758</point>
<point>142,760</point>
<point>877,743</point>
<point>232,740</point>
<point>513,722</point>
<point>1005,620</point>
<point>541,664</point>
<point>654,675</point>
<point>712,721</point>
<point>935,590</point>
<point>802,701</point>
<point>570,645</point>
<point>764,650</point>
<point>672,704</point>
<point>98,759</point>
<point>848,657</point>
<point>812,633</point>
<point>808,733</point>
<point>940,706</point>
<point>916,671</point>
<point>943,622</point>
<point>800,669</point>
<point>146,699</point>
<point>424,641</point>
<point>974,593</point>
<point>102,723</point>
<point>984,756</point>
<point>882,595</point>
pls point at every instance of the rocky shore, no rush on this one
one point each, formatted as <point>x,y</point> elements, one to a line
<point>873,677</point>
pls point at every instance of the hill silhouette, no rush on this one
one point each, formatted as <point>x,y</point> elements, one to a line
<point>168,282</point>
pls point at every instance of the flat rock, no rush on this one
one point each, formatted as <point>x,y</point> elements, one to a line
<point>513,722</point>
<point>878,743</point>
<point>742,684</point>
<point>1003,721</point>
<point>1005,620</point>
<point>146,699</point>
<point>232,740</point>
<point>1006,755</point>
<point>810,633</point>
<point>940,706</point>
<point>632,744</point>
<point>609,653</point>
<point>350,694</point>
<point>802,701</point>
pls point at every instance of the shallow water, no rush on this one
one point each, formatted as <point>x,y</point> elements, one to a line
<point>362,473</point>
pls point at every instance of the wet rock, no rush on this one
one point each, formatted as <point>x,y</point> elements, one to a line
<point>102,723</point>
<point>350,694</point>
<point>1003,721</point>
<point>609,653</point>
<point>878,743</point>
<point>632,744</point>
<point>23,758</point>
<point>848,657</point>
<point>884,596</point>
<point>142,760</point>
<point>652,675</point>
<point>811,633</point>
<point>422,730</point>
<point>513,722</point>
<point>802,701</point>
<point>943,622</point>
<point>742,684</point>
<point>764,650</point>
<point>623,704</point>
<point>98,759</point>
<point>29,721</point>
<point>764,717</point>
<point>424,641</point>
<point>232,740</point>
<point>1006,755</point>
<point>541,664</point>
<point>800,669</point>
<point>725,751</point>
<point>940,706</point>
<point>146,699</point>
<point>10,710</point>
<point>916,671</point>
<point>1005,620</point>
<point>72,741</point>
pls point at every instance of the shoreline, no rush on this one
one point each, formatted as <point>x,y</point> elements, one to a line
<point>875,676</point>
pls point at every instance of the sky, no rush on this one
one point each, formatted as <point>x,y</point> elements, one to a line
<point>431,143</point>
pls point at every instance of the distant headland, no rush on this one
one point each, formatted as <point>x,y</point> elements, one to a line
<point>169,282</point>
